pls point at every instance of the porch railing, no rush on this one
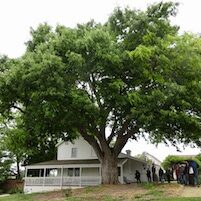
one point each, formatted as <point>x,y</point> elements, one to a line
<point>63,181</point>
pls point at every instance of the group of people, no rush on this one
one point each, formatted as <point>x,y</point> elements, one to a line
<point>153,176</point>
<point>186,173</point>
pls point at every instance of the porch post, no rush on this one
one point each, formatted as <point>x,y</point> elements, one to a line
<point>25,176</point>
<point>121,168</point>
<point>40,173</point>
<point>44,177</point>
<point>80,177</point>
<point>61,182</point>
<point>100,175</point>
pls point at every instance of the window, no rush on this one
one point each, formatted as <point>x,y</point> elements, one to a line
<point>53,172</point>
<point>73,172</point>
<point>70,172</point>
<point>77,172</point>
<point>35,172</point>
<point>73,152</point>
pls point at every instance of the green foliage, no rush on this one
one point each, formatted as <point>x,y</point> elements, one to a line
<point>67,192</point>
<point>131,76</point>
<point>171,160</point>
<point>15,191</point>
<point>6,161</point>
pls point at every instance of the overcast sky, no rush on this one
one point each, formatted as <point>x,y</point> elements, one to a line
<point>17,16</point>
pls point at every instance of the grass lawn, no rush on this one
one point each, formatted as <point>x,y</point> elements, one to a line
<point>132,192</point>
<point>22,197</point>
<point>17,197</point>
<point>180,199</point>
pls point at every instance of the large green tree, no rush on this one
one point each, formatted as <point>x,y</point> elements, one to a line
<point>6,159</point>
<point>109,83</point>
<point>15,142</point>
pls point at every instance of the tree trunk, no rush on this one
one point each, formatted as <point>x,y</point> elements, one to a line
<point>108,158</point>
<point>109,170</point>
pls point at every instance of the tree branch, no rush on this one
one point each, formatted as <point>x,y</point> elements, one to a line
<point>16,107</point>
<point>102,142</point>
<point>93,89</point>
<point>122,140</point>
<point>124,127</point>
<point>113,133</point>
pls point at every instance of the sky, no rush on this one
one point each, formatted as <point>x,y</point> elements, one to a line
<point>17,16</point>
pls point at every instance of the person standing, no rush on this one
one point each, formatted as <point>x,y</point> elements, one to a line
<point>191,173</point>
<point>177,171</point>
<point>149,175</point>
<point>160,174</point>
<point>168,174</point>
<point>137,176</point>
<point>195,167</point>
<point>153,169</point>
<point>186,173</point>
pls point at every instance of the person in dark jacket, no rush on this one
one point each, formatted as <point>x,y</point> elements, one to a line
<point>160,174</point>
<point>149,175</point>
<point>137,176</point>
<point>186,173</point>
<point>195,167</point>
<point>153,169</point>
<point>168,174</point>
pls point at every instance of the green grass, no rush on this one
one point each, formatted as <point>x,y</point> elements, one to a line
<point>32,197</point>
<point>173,199</point>
<point>150,192</point>
<point>25,197</point>
<point>92,189</point>
<point>74,199</point>
<point>153,192</point>
<point>18,197</point>
<point>108,198</point>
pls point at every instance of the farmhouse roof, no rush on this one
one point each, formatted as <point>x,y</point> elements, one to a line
<point>121,159</point>
<point>71,162</point>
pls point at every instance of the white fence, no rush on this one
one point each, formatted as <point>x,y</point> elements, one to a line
<point>63,181</point>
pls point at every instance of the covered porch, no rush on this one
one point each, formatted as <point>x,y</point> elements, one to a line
<point>55,175</point>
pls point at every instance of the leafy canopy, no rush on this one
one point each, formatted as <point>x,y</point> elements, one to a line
<point>130,76</point>
<point>172,160</point>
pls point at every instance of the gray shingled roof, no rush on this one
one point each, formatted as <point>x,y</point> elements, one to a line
<point>71,162</point>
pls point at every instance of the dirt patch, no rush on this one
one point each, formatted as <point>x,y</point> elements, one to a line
<point>50,196</point>
<point>188,191</point>
<point>123,192</point>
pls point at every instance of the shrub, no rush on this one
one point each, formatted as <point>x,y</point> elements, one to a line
<point>67,192</point>
<point>15,190</point>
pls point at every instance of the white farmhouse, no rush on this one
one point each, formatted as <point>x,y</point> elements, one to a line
<point>77,165</point>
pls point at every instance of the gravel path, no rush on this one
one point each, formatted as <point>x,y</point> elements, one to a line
<point>188,191</point>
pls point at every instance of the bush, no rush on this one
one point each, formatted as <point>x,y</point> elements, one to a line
<point>1,191</point>
<point>67,192</point>
<point>15,190</point>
